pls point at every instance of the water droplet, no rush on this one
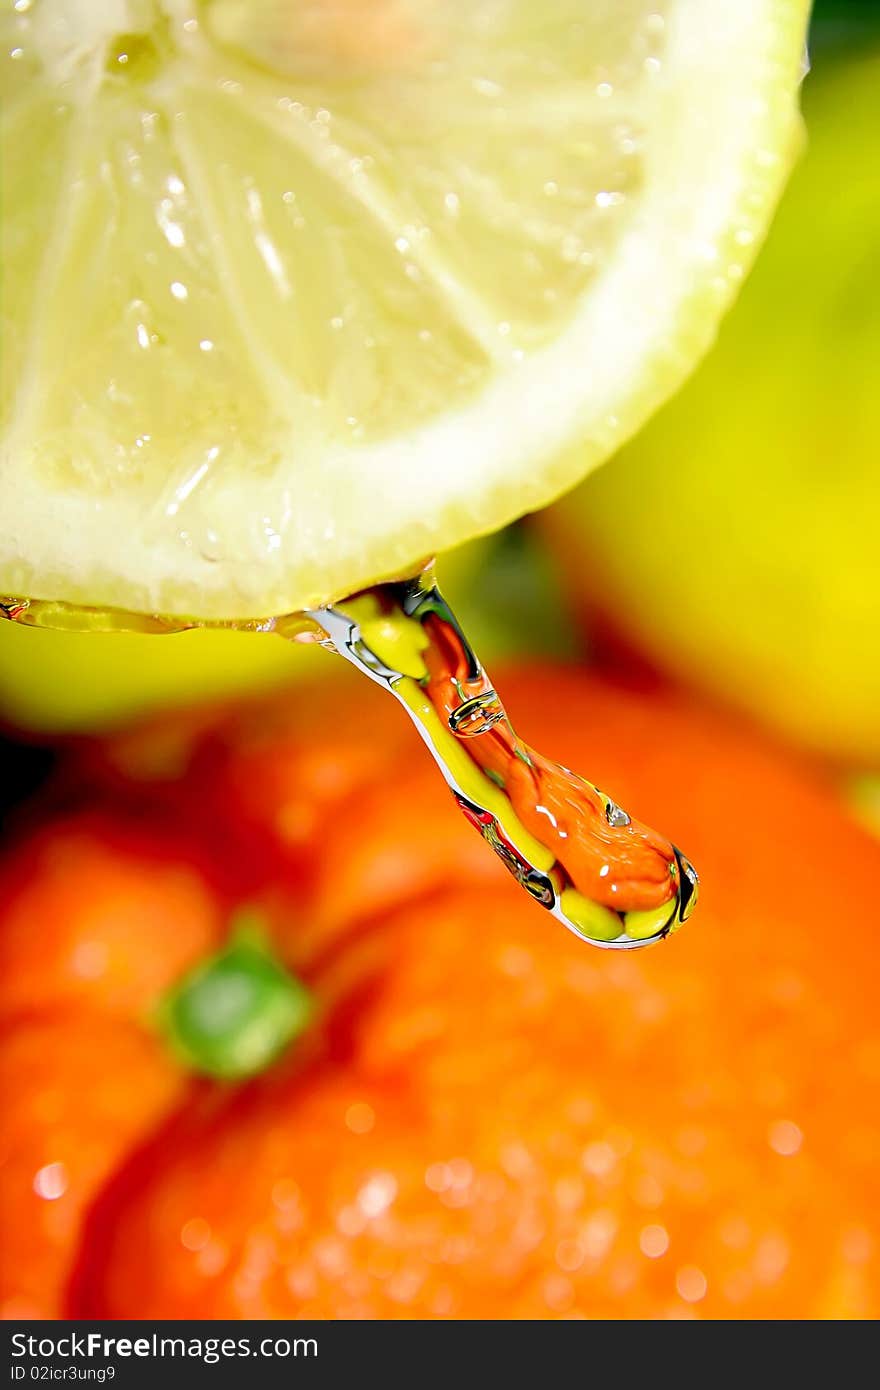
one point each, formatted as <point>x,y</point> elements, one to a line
<point>172,230</point>
<point>691,1284</point>
<point>211,546</point>
<point>771,1258</point>
<point>785,1138</point>
<point>377,1194</point>
<point>51,1181</point>
<point>195,1234</point>
<point>360,1117</point>
<point>599,1159</point>
<point>570,1255</point>
<point>532,812</point>
<point>598,1233</point>
<point>654,1241</point>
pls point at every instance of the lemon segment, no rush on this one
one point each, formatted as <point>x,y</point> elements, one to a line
<point>296,295</point>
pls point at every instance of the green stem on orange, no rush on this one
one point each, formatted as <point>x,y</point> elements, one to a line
<point>235,1013</point>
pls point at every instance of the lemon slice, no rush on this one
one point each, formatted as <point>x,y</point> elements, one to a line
<point>298,293</point>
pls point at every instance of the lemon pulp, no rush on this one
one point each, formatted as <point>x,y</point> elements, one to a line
<point>296,294</point>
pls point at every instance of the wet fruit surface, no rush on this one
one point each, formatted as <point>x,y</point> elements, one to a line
<point>485,1118</point>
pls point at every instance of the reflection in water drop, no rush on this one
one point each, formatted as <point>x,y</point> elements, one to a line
<point>605,876</point>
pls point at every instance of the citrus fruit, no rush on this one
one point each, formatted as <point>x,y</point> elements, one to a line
<point>747,563</point>
<point>299,294</point>
<point>480,1117</point>
<point>97,919</point>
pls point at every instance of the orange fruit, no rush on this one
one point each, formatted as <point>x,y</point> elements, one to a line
<point>485,1118</point>
<point>97,920</point>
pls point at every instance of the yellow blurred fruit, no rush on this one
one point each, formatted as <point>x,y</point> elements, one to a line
<point>66,681</point>
<point>56,681</point>
<point>736,541</point>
